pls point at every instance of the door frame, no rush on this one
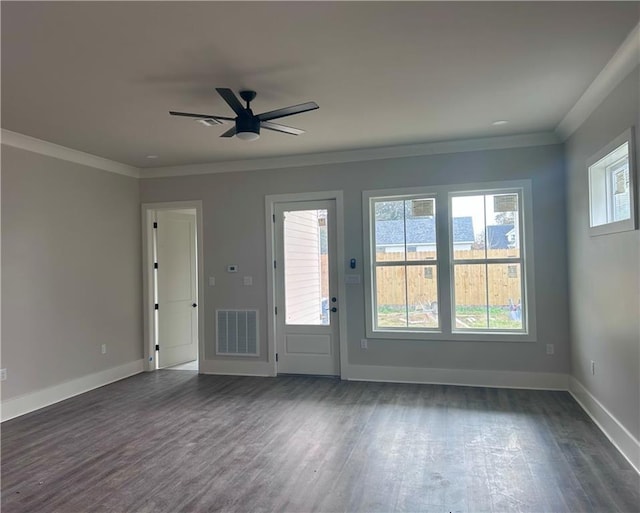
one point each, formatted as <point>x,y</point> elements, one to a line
<point>149,330</point>
<point>270,203</point>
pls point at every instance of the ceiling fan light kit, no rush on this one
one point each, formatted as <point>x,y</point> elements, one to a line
<point>248,136</point>
<point>247,127</point>
<point>247,124</point>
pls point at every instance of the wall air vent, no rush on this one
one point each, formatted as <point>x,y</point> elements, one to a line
<point>237,332</point>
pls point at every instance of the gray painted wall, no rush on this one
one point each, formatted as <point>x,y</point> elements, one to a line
<point>234,233</point>
<point>605,271</point>
<point>71,274</point>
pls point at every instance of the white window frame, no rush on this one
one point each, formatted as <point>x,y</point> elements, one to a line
<point>405,262</point>
<point>599,169</point>
<point>520,261</point>
<point>445,263</point>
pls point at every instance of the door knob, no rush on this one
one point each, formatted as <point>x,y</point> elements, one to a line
<point>334,299</point>
<point>194,305</point>
<point>334,309</point>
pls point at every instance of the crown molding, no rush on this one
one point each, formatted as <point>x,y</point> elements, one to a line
<point>341,157</point>
<point>25,142</point>
<point>623,62</point>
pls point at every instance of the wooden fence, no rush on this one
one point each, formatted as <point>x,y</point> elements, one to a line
<point>503,279</point>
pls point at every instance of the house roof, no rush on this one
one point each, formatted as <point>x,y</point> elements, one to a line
<point>420,231</point>
<point>497,236</point>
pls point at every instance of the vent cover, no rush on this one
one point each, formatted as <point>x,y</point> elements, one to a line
<point>237,332</point>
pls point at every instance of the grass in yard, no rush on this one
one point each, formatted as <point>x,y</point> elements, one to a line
<point>390,316</point>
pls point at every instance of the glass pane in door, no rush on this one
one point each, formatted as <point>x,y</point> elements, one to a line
<point>306,267</point>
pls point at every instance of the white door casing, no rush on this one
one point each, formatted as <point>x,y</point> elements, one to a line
<point>177,289</point>
<point>307,330</point>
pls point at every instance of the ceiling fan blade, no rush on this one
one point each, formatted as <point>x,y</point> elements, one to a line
<point>229,133</point>
<point>287,111</point>
<point>281,128</point>
<point>229,97</point>
<point>200,116</point>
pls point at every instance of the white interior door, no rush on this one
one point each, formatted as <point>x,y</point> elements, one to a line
<point>307,330</point>
<point>177,290</point>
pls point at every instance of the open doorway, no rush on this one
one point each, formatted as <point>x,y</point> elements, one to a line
<point>173,298</point>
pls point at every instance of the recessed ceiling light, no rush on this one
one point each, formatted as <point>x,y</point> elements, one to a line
<point>500,122</point>
<point>152,156</point>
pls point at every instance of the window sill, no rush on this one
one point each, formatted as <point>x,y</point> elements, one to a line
<point>498,336</point>
<point>618,227</point>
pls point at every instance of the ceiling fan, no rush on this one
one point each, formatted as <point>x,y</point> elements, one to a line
<point>247,124</point>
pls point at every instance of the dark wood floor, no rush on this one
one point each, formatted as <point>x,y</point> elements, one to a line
<point>173,441</point>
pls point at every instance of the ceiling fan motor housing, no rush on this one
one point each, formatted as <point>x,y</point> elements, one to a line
<point>248,124</point>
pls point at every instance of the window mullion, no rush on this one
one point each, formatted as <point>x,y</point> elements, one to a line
<point>406,262</point>
<point>486,255</point>
<point>406,295</point>
<point>406,285</point>
<point>486,288</point>
<point>514,260</point>
<point>445,269</point>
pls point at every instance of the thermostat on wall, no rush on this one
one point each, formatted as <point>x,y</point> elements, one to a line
<point>232,268</point>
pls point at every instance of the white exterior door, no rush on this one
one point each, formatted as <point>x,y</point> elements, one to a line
<point>177,312</point>
<point>307,333</point>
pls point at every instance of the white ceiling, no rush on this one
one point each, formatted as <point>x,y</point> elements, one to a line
<point>100,76</point>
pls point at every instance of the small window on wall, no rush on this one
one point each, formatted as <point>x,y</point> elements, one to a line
<point>612,196</point>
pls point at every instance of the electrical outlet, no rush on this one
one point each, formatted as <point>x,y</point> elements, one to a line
<point>104,348</point>
<point>364,344</point>
<point>551,349</point>
<point>3,374</point>
<point>212,281</point>
<point>248,281</point>
<point>593,367</point>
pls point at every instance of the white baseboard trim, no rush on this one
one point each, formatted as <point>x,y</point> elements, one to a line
<point>464,377</point>
<point>619,435</point>
<point>27,403</point>
<point>236,368</point>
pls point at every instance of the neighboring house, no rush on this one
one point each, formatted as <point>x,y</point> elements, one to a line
<point>421,235</point>
<point>303,267</point>
<point>501,236</point>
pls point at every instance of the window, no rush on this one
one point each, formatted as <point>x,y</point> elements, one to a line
<point>405,263</point>
<point>450,263</point>
<point>487,274</point>
<point>611,187</point>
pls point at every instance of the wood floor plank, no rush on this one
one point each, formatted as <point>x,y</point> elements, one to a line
<point>174,441</point>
